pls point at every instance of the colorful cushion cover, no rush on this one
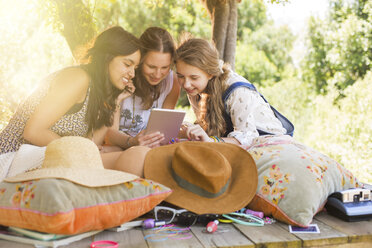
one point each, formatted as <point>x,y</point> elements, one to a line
<point>294,180</point>
<point>62,207</point>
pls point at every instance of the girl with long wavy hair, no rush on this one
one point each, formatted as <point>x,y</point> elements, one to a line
<point>205,79</point>
<point>79,100</point>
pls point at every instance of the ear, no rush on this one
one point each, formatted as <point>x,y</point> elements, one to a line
<point>210,77</point>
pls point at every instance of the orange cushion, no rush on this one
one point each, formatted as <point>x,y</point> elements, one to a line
<point>62,207</point>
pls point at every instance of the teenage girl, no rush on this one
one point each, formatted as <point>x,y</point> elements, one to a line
<point>79,101</point>
<point>205,78</point>
<point>155,85</point>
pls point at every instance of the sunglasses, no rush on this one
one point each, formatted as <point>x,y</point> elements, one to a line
<point>182,217</point>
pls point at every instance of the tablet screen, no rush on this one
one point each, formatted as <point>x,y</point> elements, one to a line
<point>166,121</point>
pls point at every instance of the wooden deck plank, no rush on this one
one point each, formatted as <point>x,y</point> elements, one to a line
<point>335,233</point>
<point>327,236</point>
<point>357,232</point>
<point>230,237</point>
<point>9,244</point>
<point>176,241</point>
<point>81,243</point>
<point>271,236</point>
<point>129,238</point>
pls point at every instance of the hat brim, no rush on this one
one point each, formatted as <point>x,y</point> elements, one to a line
<point>95,177</point>
<point>242,187</point>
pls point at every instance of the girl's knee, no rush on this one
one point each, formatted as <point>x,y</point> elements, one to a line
<point>132,160</point>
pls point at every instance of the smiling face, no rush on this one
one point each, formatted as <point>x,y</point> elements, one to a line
<point>156,66</point>
<point>121,69</point>
<point>191,78</point>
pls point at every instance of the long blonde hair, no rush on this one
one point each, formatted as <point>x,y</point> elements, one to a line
<point>203,55</point>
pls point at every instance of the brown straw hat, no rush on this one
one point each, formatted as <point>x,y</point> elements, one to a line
<point>76,159</point>
<point>205,177</point>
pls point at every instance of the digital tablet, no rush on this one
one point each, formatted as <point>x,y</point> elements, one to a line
<point>166,121</point>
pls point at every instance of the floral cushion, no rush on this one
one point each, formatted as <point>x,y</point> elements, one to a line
<point>294,180</point>
<point>62,207</point>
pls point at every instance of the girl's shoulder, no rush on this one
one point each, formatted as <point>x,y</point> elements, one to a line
<point>73,75</point>
<point>71,80</point>
<point>235,77</point>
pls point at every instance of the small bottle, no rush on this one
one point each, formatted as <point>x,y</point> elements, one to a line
<point>255,213</point>
<point>212,226</point>
<point>151,223</point>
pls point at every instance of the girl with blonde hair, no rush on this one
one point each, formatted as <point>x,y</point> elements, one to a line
<point>239,118</point>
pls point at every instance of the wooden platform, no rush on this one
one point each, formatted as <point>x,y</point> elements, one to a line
<point>333,233</point>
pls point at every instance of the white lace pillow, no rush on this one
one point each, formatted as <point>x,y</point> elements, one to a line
<point>28,157</point>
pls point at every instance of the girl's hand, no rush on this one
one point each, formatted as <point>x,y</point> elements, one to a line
<point>183,129</point>
<point>197,133</point>
<point>127,92</point>
<point>150,140</point>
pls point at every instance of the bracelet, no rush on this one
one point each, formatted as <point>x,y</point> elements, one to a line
<point>112,244</point>
<point>220,139</point>
<point>128,141</point>
<point>217,139</point>
<point>247,219</point>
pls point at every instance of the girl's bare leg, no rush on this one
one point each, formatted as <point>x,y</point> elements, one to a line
<point>130,160</point>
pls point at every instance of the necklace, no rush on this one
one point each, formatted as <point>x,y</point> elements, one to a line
<point>134,98</point>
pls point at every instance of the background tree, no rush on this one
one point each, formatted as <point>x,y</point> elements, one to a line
<point>74,20</point>
<point>224,18</point>
<point>339,47</point>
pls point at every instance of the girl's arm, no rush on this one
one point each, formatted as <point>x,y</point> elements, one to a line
<point>197,133</point>
<point>172,98</point>
<point>68,88</point>
<point>245,105</point>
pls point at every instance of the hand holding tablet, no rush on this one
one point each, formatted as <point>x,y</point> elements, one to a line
<point>166,121</point>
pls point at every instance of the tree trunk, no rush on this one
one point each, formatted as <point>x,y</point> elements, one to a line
<point>78,26</point>
<point>231,34</point>
<point>224,16</point>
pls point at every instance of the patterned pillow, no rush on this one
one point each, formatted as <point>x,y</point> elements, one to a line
<point>294,180</point>
<point>62,207</point>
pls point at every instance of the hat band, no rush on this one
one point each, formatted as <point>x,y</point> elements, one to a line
<point>196,189</point>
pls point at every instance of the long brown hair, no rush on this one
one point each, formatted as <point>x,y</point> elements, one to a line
<point>153,39</point>
<point>112,42</point>
<point>203,55</point>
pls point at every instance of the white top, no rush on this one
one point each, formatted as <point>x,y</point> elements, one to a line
<point>248,112</point>
<point>132,122</point>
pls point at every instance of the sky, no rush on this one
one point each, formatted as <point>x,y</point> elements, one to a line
<point>296,12</point>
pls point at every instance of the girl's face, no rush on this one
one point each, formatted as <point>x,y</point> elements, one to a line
<point>191,78</point>
<point>121,69</point>
<point>156,66</point>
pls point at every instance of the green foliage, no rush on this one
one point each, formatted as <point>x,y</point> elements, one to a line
<point>341,131</point>
<point>275,42</point>
<point>251,15</point>
<point>253,64</point>
<point>175,16</point>
<point>339,47</point>
<point>73,19</point>
<point>344,130</point>
<point>262,48</point>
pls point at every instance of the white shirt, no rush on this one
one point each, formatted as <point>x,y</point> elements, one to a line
<point>249,112</point>
<point>133,118</point>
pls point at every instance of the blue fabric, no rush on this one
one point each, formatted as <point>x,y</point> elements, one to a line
<point>229,126</point>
